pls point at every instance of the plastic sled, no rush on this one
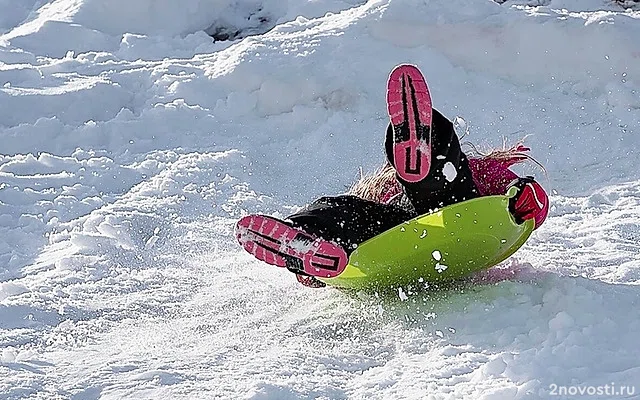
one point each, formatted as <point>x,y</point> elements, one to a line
<point>445,245</point>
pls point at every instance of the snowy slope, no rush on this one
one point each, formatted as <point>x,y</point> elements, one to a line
<point>131,141</point>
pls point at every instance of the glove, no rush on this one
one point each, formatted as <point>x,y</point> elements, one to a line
<point>531,201</point>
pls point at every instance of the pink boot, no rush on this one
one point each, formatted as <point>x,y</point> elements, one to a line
<point>409,106</point>
<point>277,243</point>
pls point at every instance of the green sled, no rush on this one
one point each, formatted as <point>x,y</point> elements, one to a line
<point>445,245</point>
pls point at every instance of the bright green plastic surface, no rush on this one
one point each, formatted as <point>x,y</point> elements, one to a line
<point>446,245</point>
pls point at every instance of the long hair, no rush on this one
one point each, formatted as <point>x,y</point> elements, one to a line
<point>508,156</point>
<point>377,186</point>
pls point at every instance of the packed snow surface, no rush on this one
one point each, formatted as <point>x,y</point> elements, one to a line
<point>133,136</point>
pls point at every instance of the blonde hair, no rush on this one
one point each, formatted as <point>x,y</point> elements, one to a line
<point>377,184</point>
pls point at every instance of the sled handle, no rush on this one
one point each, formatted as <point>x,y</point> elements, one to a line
<point>512,192</point>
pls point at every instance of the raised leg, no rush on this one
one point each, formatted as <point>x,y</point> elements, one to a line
<point>423,147</point>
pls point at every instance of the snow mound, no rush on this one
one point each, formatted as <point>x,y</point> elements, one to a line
<point>80,26</point>
<point>131,141</point>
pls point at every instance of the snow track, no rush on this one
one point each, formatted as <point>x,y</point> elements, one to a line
<point>131,142</point>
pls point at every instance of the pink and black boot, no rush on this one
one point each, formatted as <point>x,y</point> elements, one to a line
<point>278,243</point>
<point>409,107</point>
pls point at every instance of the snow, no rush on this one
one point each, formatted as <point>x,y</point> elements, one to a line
<point>131,141</point>
<point>449,171</point>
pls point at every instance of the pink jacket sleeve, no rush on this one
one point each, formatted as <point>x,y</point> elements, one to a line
<point>491,176</point>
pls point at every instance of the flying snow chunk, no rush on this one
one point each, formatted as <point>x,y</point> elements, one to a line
<point>449,171</point>
<point>441,267</point>
<point>402,295</point>
<point>8,355</point>
<point>459,123</point>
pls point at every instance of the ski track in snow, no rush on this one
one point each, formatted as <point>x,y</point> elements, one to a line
<point>130,143</point>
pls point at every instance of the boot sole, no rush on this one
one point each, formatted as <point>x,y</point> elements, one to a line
<point>409,107</point>
<point>272,241</point>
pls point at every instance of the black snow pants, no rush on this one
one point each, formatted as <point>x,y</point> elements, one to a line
<point>349,220</point>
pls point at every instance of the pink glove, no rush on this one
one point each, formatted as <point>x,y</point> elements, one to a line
<point>531,201</point>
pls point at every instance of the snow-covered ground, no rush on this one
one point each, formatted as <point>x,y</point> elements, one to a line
<point>131,141</point>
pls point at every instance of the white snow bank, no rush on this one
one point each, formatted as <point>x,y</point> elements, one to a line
<point>94,99</point>
<point>92,25</point>
<point>125,163</point>
<point>142,17</point>
<point>491,38</point>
